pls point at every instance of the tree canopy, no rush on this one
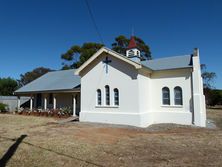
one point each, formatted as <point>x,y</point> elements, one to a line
<point>7,86</point>
<point>213,97</point>
<point>32,75</point>
<point>78,54</point>
<point>208,77</point>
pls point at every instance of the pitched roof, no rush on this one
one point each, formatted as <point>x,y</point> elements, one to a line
<point>68,80</point>
<point>169,63</point>
<point>53,81</point>
<point>13,98</point>
<point>132,43</point>
<point>110,52</point>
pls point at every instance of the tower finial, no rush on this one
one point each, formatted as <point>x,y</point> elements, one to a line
<point>132,31</point>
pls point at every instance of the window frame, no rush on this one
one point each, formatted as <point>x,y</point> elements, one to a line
<point>164,98</point>
<point>116,97</point>
<point>99,98</point>
<point>107,95</point>
<point>179,89</point>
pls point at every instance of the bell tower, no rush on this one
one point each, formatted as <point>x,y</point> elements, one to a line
<point>132,51</point>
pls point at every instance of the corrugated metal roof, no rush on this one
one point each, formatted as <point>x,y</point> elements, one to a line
<point>67,80</point>
<point>13,98</point>
<point>169,63</point>
<point>53,81</point>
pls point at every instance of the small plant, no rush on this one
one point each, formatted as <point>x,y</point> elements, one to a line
<point>66,111</point>
<point>3,107</point>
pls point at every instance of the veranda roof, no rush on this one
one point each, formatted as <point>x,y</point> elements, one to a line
<point>64,80</point>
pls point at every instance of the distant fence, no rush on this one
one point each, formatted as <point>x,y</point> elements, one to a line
<point>11,101</point>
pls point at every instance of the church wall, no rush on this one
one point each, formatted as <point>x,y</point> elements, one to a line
<point>120,75</point>
<point>171,113</point>
<point>144,84</point>
<point>140,94</point>
<point>199,98</point>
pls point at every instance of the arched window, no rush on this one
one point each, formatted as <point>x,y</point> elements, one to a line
<point>178,96</point>
<point>99,97</point>
<point>166,96</point>
<point>116,97</point>
<point>107,95</point>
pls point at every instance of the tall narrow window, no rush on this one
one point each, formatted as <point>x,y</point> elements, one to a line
<point>116,97</point>
<point>178,96</point>
<point>99,97</point>
<point>166,96</point>
<point>107,95</point>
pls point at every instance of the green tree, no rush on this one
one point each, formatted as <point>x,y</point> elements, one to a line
<point>216,98</point>
<point>77,55</point>
<point>121,43</point>
<point>32,75</point>
<point>208,77</point>
<point>7,86</point>
<point>212,96</point>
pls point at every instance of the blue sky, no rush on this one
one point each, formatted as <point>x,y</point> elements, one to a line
<point>35,33</point>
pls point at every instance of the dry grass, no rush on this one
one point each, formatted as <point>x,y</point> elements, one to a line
<point>216,115</point>
<point>78,144</point>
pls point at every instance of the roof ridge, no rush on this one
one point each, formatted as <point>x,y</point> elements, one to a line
<point>61,70</point>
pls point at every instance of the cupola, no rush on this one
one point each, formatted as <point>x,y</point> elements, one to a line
<point>132,51</point>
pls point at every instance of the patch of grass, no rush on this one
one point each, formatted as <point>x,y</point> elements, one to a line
<point>216,116</point>
<point>85,144</point>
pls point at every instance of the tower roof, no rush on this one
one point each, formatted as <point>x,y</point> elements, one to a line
<point>132,43</point>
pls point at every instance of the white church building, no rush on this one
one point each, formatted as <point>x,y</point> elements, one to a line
<point>118,89</point>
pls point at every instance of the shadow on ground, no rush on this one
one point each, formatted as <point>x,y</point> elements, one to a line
<point>11,151</point>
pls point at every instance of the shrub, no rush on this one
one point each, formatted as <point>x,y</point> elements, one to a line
<point>3,107</point>
<point>66,111</point>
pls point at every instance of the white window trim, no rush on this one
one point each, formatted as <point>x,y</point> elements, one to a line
<point>172,106</point>
<point>102,106</point>
<point>166,98</point>
<point>181,96</point>
<point>114,97</point>
<point>106,97</point>
<point>97,97</point>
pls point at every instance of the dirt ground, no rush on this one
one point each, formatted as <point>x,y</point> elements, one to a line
<point>38,141</point>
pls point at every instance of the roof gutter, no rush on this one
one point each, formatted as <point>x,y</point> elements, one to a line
<point>48,91</point>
